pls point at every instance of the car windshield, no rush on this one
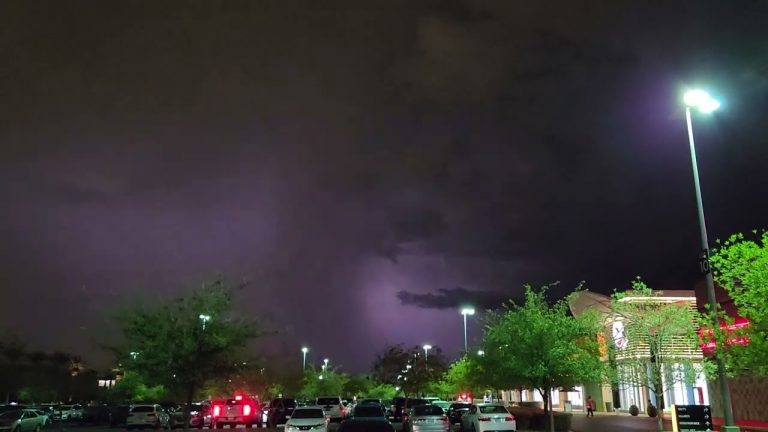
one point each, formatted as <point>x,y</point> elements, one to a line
<point>459,406</point>
<point>143,408</point>
<point>10,415</point>
<point>66,407</point>
<point>328,401</point>
<point>492,409</point>
<point>416,402</point>
<point>195,407</point>
<point>308,413</point>
<point>370,401</point>
<point>428,410</point>
<point>368,411</point>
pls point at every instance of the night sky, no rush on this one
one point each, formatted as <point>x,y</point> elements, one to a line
<point>368,165</point>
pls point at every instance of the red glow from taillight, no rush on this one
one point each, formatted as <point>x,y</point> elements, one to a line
<point>246,410</point>
<point>509,418</point>
<point>445,419</point>
<point>484,419</point>
<point>216,410</point>
<point>239,397</point>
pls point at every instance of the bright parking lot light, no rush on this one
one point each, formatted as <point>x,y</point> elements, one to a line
<point>705,103</point>
<point>204,318</point>
<point>304,351</point>
<point>700,100</point>
<point>464,312</point>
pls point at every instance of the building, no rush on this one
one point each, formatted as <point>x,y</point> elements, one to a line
<point>628,392</point>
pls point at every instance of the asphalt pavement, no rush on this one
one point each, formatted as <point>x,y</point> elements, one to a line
<point>614,423</point>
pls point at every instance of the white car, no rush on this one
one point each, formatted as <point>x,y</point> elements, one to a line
<point>141,416</point>
<point>333,408</point>
<point>488,417</point>
<point>307,419</point>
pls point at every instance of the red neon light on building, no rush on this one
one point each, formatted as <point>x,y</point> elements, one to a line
<point>707,341</point>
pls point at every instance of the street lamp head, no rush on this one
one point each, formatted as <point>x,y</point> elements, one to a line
<point>204,317</point>
<point>700,100</point>
<point>325,360</point>
<point>480,353</point>
<point>468,311</point>
<point>427,347</point>
<point>304,350</point>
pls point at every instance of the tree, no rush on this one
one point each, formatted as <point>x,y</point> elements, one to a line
<point>408,369</point>
<point>185,342</point>
<point>357,386</point>
<point>131,388</point>
<point>461,377</point>
<point>540,346</point>
<point>740,266</point>
<point>326,382</point>
<point>655,345</point>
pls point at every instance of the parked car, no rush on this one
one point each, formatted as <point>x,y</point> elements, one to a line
<point>95,415</point>
<point>307,419</point>
<point>426,418</point>
<point>20,420</point>
<point>352,425</point>
<point>400,407</point>
<point>118,415</point>
<point>153,416</point>
<point>240,410</point>
<point>200,416</point>
<point>45,417</point>
<point>332,405</point>
<point>488,417</point>
<point>457,410</point>
<point>278,409</point>
<point>371,411</point>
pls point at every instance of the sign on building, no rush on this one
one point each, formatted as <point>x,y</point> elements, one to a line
<point>691,418</point>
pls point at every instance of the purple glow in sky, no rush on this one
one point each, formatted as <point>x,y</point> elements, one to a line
<point>368,166</point>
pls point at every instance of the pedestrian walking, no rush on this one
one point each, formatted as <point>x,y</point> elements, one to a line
<point>590,406</point>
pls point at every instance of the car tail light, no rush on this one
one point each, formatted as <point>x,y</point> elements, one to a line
<point>484,419</point>
<point>216,410</point>
<point>239,397</point>
<point>509,418</point>
<point>246,410</point>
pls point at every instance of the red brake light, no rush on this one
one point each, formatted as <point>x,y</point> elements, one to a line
<point>216,410</point>
<point>246,410</point>
<point>509,418</point>
<point>484,419</point>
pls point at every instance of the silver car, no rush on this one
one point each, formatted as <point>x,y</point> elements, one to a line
<point>426,418</point>
<point>24,420</point>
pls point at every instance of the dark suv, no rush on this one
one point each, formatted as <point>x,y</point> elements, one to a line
<point>456,410</point>
<point>401,405</point>
<point>277,409</point>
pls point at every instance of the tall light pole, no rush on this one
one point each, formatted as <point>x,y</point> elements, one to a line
<point>325,363</point>
<point>204,318</point>
<point>466,311</point>
<point>702,101</point>
<point>426,347</point>
<point>304,351</point>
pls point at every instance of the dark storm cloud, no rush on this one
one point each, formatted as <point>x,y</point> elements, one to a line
<point>361,156</point>
<point>453,299</point>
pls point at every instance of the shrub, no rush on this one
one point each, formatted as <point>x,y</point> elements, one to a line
<point>634,410</point>
<point>535,419</point>
<point>652,411</point>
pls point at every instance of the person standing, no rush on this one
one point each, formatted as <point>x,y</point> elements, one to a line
<point>590,406</point>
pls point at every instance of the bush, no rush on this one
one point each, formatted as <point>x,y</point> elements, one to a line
<point>634,410</point>
<point>652,411</point>
<point>535,419</point>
